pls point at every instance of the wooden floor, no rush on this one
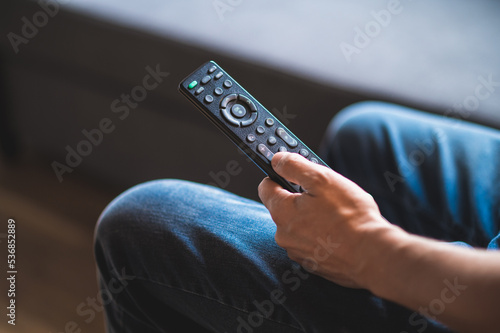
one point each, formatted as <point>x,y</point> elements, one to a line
<point>54,236</point>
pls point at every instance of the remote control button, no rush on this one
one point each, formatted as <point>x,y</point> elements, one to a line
<point>269,122</point>
<point>218,91</point>
<point>228,99</point>
<point>247,100</point>
<point>209,99</point>
<point>192,84</point>
<point>260,130</point>
<point>287,138</point>
<point>265,151</point>
<point>314,160</point>
<point>238,110</point>
<point>230,119</point>
<point>304,152</point>
<point>250,121</point>
<point>282,149</point>
<point>228,84</point>
<point>218,75</point>
<point>271,140</point>
<point>212,69</point>
<point>199,90</point>
<point>251,138</point>
<point>206,79</point>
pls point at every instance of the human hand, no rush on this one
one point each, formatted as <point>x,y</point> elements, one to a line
<point>330,228</point>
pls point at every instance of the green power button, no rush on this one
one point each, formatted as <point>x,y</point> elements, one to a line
<point>193,84</point>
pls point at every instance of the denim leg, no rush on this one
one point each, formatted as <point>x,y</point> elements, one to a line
<point>177,254</point>
<point>202,251</point>
<point>432,175</point>
<point>187,247</point>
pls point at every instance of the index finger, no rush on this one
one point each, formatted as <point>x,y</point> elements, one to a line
<point>271,194</point>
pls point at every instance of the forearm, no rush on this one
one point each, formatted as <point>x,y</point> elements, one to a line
<point>457,286</point>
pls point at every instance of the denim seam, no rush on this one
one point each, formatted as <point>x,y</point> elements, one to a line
<point>122,309</point>
<point>215,300</point>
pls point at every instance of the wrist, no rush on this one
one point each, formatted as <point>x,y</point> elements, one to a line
<point>380,245</point>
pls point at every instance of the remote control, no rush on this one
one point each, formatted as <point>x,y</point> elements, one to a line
<point>243,119</point>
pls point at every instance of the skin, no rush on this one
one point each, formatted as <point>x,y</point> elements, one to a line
<point>458,286</point>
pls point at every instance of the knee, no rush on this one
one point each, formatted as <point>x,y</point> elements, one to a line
<point>360,140</point>
<point>131,206</point>
<point>357,130</point>
<point>139,211</point>
<point>362,122</point>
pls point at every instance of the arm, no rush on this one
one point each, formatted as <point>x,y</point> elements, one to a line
<point>339,226</point>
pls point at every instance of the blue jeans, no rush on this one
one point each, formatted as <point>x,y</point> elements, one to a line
<point>178,256</point>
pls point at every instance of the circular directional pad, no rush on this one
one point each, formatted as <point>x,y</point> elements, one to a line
<point>238,110</point>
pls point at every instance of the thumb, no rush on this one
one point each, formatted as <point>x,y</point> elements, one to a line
<point>297,169</point>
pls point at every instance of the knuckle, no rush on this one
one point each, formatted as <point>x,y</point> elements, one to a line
<point>290,159</point>
<point>260,188</point>
<point>318,177</point>
<point>368,198</point>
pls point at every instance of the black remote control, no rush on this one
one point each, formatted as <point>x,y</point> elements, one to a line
<point>243,119</point>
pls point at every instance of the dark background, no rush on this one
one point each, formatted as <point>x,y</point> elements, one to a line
<point>288,54</point>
